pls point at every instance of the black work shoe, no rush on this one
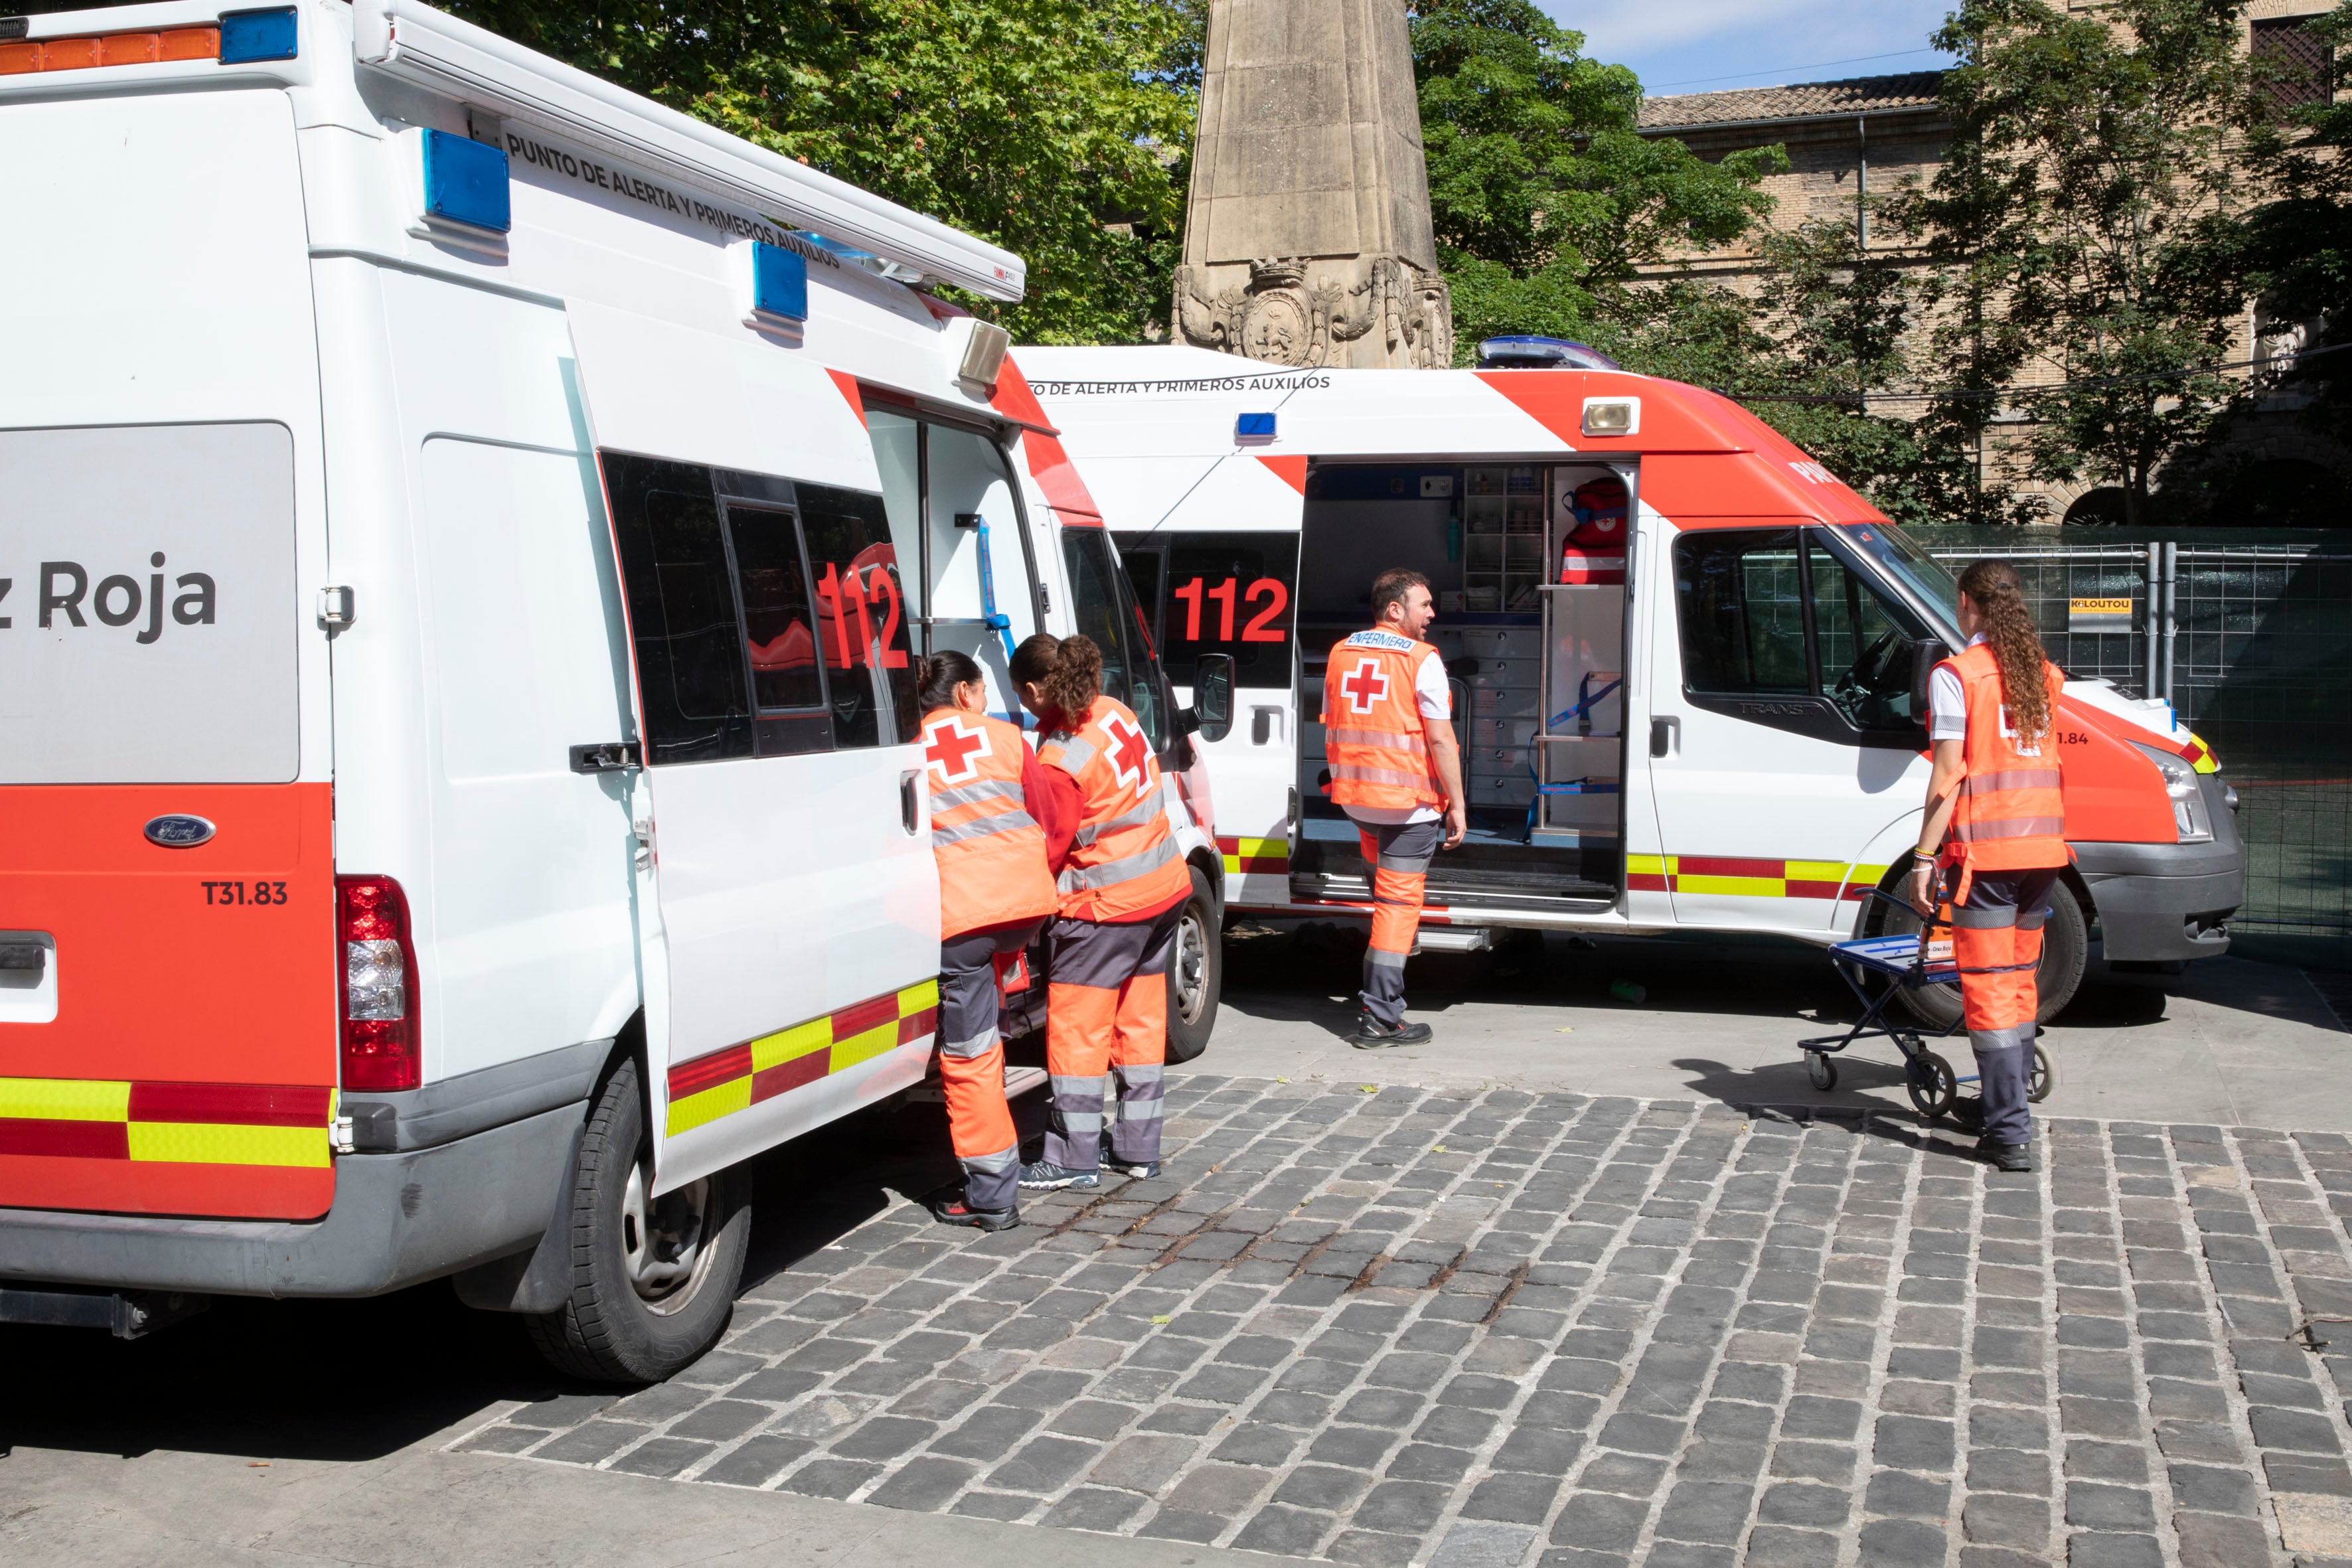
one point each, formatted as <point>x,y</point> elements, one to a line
<point>2006,1156</point>
<point>1142,1171</point>
<point>1045,1173</point>
<point>1371,1035</point>
<point>954,1210</point>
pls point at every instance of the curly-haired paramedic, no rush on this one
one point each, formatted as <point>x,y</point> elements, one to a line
<point>1994,839</point>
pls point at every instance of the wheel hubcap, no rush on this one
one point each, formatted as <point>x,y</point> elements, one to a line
<point>664,1241</point>
<point>1191,967</point>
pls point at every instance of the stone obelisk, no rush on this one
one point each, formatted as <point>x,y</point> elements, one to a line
<point>1309,241</point>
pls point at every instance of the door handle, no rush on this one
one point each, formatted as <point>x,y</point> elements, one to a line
<point>909,810</point>
<point>1265,725</point>
<point>1665,737</point>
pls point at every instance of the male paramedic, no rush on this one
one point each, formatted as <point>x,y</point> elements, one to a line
<point>1388,732</point>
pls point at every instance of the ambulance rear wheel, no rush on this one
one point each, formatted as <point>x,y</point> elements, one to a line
<point>652,1278</point>
<point>1196,974</point>
<point>2065,950</point>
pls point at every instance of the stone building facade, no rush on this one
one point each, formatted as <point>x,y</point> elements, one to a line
<point>1848,141</point>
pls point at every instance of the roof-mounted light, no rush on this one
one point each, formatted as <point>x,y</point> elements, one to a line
<point>779,285</point>
<point>1524,351</point>
<point>1612,416</point>
<point>21,56</point>
<point>250,37</point>
<point>466,182</point>
<point>1252,429</point>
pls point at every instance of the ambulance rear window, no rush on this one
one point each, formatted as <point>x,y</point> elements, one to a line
<point>149,620</point>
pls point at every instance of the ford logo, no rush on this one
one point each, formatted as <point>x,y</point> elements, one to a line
<point>178,832</point>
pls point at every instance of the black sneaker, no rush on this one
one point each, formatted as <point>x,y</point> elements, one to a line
<point>1371,1035</point>
<point>1045,1173</point>
<point>2016,1157</point>
<point>953,1210</point>
<point>1142,1172</point>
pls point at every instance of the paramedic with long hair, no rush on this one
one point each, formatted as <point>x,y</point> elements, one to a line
<point>1995,838</point>
<point>1123,883</point>
<point>1388,730</point>
<point>994,892</point>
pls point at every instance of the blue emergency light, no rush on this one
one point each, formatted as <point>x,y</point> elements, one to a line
<point>247,37</point>
<point>1252,428</point>
<point>464,181</point>
<point>778,283</point>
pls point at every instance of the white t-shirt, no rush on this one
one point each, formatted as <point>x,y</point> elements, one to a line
<point>1948,705</point>
<point>1436,699</point>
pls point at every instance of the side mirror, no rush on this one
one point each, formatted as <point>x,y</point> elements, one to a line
<point>1213,695</point>
<point>1925,655</point>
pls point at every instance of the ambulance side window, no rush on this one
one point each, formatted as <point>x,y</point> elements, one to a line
<point>779,631</point>
<point>1225,592</point>
<point>1101,609</point>
<point>689,652</point>
<point>862,614</point>
<point>1865,645</point>
<point>1742,612</point>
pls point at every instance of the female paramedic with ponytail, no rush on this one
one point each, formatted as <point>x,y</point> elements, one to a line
<point>994,892</point>
<point>1123,885</point>
<point>1994,839</point>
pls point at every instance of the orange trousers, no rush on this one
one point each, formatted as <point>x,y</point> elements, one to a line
<point>1399,854</point>
<point>1106,1038</point>
<point>1996,944</point>
<point>972,1065</point>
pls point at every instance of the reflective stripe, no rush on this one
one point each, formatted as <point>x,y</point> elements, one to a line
<point>1380,958</point>
<point>1139,1109</point>
<point>1377,738</point>
<point>1135,817</point>
<point>2011,827</point>
<point>944,800</point>
<point>992,1164</point>
<point>1066,1089</point>
<point>2015,778</point>
<point>982,826</point>
<point>977,1045</point>
<point>1141,1073</point>
<point>1412,865</point>
<point>2000,919</point>
<point>1378,775</point>
<point>2016,1037</point>
<point>1070,754</point>
<point>1076,879</point>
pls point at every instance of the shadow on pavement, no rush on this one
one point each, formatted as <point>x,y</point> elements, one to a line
<point>350,1381</point>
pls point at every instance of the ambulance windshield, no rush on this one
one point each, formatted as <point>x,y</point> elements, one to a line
<point>1910,565</point>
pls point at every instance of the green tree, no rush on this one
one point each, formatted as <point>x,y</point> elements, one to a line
<point>1057,129</point>
<point>2070,229</point>
<point>1547,202</point>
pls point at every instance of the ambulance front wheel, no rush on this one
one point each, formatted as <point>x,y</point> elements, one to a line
<point>652,1278</point>
<point>2065,952</point>
<point>1196,974</point>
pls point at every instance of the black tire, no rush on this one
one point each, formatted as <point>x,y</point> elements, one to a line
<point>615,1329</point>
<point>1931,1085</point>
<point>1821,1070</point>
<point>2044,1078</point>
<point>2065,950</point>
<point>1196,972</point>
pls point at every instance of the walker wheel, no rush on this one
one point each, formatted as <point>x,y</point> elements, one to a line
<point>1821,1070</point>
<point>1931,1084</point>
<point>2045,1075</point>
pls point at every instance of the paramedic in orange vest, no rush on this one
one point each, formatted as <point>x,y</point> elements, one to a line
<point>1995,838</point>
<point>1388,732</point>
<point>994,892</point>
<point>1123,884</point>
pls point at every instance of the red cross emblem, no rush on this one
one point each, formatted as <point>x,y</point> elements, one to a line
<point>954,752</point>
<point>1365,685</point>
<point>1129,754</point>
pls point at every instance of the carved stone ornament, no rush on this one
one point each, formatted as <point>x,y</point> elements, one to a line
<point>1367,312</point>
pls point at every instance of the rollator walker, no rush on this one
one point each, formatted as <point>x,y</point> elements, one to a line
<point>1910,962</point>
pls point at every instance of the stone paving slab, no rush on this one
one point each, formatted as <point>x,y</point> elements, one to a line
<point>1480,1328</point>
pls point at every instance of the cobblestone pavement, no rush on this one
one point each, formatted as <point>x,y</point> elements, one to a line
<point>1486,1328</point>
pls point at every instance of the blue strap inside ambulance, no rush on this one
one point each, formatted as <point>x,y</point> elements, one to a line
<point>1586,698</point>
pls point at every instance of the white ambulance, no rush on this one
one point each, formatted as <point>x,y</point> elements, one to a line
<point>463,533</point>
<point>1689,664</point>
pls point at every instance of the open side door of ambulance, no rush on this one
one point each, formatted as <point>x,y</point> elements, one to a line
<point>788,903</point>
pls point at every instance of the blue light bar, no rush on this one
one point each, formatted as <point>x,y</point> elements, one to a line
<point>778,283</point>
<point>1250,427</point>
<point>247,37</point>
<point>466,182</point>
<point>1526,351</point>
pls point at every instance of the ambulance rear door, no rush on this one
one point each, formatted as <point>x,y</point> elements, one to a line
<point>788,902</point>
<point>1780,738</point>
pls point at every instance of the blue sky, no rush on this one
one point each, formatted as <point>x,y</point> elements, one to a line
<point>1713,45</point>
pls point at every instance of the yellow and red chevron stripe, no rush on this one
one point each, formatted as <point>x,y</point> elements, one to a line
<point>179,1124</point>
<point>722,1082</point>
<point>1739,877</point>
<point>1242,855</point>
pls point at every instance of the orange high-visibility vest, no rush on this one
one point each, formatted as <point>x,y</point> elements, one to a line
<point>1124,861</point>
<point>992,853</point>
<point>2010,813</point>
<point>1372,732</point>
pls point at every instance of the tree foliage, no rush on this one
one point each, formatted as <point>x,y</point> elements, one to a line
<point>1545,199</point>
<point>1057,129</point>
